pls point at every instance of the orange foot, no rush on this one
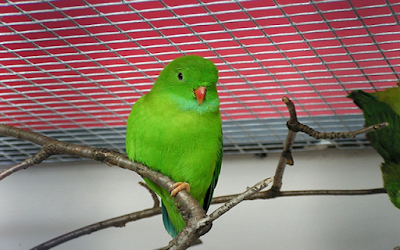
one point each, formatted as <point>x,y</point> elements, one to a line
<point>179,186</point>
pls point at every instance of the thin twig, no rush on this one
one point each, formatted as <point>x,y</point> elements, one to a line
<point>265,195</point>
<point>294,125</point>
<point>337,192</point>
<point>337,135</point>
<point>22,165</point>
<point>286,156</point>
<point>239,198</point>
<point>114,222</point>
<point>152,193</point>
<point>43,154</point>
<point>119,221</point>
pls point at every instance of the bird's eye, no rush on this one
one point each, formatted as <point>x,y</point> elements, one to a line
<point>180,76</point>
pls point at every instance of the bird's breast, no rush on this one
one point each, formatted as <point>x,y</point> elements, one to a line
<point>181,145</point>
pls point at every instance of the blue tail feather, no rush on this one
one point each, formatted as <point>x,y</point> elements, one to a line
<point>167,222</point>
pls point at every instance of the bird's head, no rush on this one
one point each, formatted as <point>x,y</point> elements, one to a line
<point>189,83</point>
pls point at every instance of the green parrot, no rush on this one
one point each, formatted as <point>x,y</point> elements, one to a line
<point>176,129</point>
<point>379,107</point>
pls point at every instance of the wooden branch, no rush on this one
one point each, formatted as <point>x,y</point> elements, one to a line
<point>196,228</point>
<point>119,221</point>
<point>114,222</point>
<point>286,156</point>
<point>265,195</point>
<point>190,233</point>
<point>294,125</point>
<point>285,159</point>
<point>229,204</point>
<point>152,193</point>
<point>334,192</point>
<point>53,146</point>
<point>335,135</point>
<point>44,153</point>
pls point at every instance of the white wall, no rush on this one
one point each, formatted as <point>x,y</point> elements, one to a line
<point>48,200</point>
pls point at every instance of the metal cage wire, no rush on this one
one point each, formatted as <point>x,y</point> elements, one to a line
<point>72,69</point>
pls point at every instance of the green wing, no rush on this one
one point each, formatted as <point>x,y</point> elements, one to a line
<point>385,141</point>
<point>390,96</point>
<point>169,226</point>
<point>214,181</point>
<point>391,181</point>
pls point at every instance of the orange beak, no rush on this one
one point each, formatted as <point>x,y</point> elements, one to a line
<point>200,93</point>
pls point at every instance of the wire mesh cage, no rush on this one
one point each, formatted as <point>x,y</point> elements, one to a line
<point>72,69</point>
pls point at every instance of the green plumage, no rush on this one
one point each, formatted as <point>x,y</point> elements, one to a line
<point>170,131</point>
<point>377,108</point>
<point>390,96</point>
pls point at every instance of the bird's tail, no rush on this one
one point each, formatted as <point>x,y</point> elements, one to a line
<point>167,222</point>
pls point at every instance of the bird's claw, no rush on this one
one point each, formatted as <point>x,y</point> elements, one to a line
<point>179,186</point>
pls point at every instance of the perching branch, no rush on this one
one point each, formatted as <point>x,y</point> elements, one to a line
<point>52,146</point>
<point>229,204</point>
<point>201,226</point>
